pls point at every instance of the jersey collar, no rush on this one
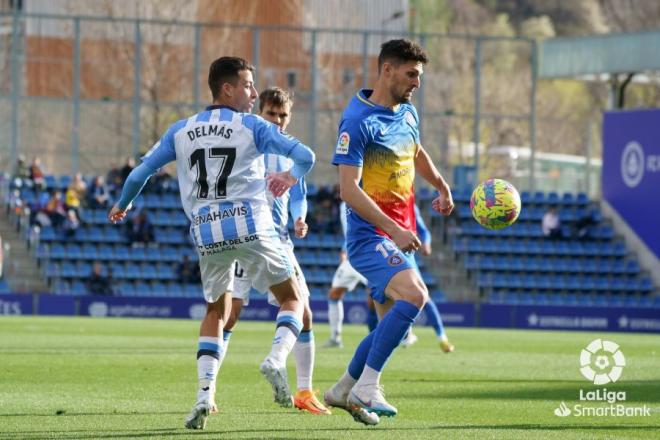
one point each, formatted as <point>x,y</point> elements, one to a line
<point>364,94</point>
<point>216,107</point>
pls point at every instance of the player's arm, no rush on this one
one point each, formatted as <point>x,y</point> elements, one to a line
<point>298,207</point>
<point>360,202</point>
<point>269,139</point>
<point>158,156</point>
<point>444,204</point>
<point>132,188</point>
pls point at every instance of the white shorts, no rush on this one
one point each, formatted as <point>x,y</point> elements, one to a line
<point>263,256</point>
<point>243,284</point>
<point>346,277</point>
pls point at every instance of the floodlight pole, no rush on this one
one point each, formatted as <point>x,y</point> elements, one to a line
<point>15,84</point>
<point>532,116</point>
<point>196,65</point>
<point>137,79</point>
<point>75,135</point>
<point>477,105</point>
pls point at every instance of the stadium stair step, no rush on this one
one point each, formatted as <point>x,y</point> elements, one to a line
<point>449,274</point>
<point>20,268</point>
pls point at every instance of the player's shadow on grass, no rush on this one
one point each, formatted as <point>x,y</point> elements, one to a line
<point>79,414</point>
<point>319,432</point>
<point>636,391</point>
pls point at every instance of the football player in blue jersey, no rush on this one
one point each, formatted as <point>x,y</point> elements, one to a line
<point>219,154</point>
<point>275,106</point>
<point>378,153</point>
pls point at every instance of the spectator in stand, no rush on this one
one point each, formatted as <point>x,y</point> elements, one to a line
<point>56,209</point>
<point>21,172</point>
<point>98,195</point>
<point>79,185</point>
<point>114,180</point>
<point>71,223</point>
<point>98,283</point>
<point>139,230</point>
<point>551,224</point>
<point>38,214</point>
<point>188,271</point>
<point>126,169</point>
<point>37,174</point>
<point>584,224</point>
<point>159,181</point>
<point>71,199</point>
<point>324,212</point>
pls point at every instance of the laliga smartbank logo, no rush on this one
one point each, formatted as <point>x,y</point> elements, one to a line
<point>601,362</point>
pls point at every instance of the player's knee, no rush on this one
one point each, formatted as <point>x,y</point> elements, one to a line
<point>416,294</point>
<point>336,293</point>
<point>418,298</point>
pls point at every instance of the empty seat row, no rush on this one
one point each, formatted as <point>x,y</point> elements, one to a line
<point>614,266</point>
<point>135,271</point>
<point>535,213</point>
<point>522,229</point>
<point>504,246</point>
<point>573,299</point>
<point>107,252</point>
<point>568,283</point>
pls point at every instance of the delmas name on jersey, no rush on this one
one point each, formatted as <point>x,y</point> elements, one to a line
<point>209,130</point>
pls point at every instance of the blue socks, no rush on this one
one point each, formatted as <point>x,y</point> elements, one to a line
<point>372,319</point>
<point>377,347</point>
<point>389,333</point>
<point>433,317</point>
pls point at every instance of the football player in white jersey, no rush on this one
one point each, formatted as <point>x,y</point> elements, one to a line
<point>275,106</point>
<point>219,154</point>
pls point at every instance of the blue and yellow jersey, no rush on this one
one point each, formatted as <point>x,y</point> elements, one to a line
<point>383,142</point>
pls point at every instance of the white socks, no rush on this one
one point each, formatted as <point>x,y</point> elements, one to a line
<point>369,376</point>
<point>208,355</point>
<point>303,350</point>
<point>288,328</point>
<point>335,318</point>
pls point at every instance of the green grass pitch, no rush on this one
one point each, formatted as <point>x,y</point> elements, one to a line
<point>81,378</point>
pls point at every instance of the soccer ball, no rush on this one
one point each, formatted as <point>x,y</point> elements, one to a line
<point>495,204</point>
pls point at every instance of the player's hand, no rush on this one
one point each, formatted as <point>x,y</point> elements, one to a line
<point>117,214</point>
<point>342,256</point>
<point>300,228</point>
<point>426,249</point>
<point>444,203</point>
<point>279,183</point>
<point>406,240</point>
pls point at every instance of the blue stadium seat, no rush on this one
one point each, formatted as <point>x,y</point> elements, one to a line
<point>538,198</point>
<point>568,199</point>
<point>47,234</point>
<point>78,288</point>
<point>582,199</point>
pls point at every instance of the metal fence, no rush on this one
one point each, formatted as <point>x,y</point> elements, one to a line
<point>84,93</point>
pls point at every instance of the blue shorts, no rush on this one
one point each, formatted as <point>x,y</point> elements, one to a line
<point>378,259</point>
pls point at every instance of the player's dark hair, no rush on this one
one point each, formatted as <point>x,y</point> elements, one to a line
<point>226,70</point>
<point>401,51</point>
<point>276,97</point>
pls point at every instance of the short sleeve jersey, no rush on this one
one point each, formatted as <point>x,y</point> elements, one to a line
<point>383,142</point>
